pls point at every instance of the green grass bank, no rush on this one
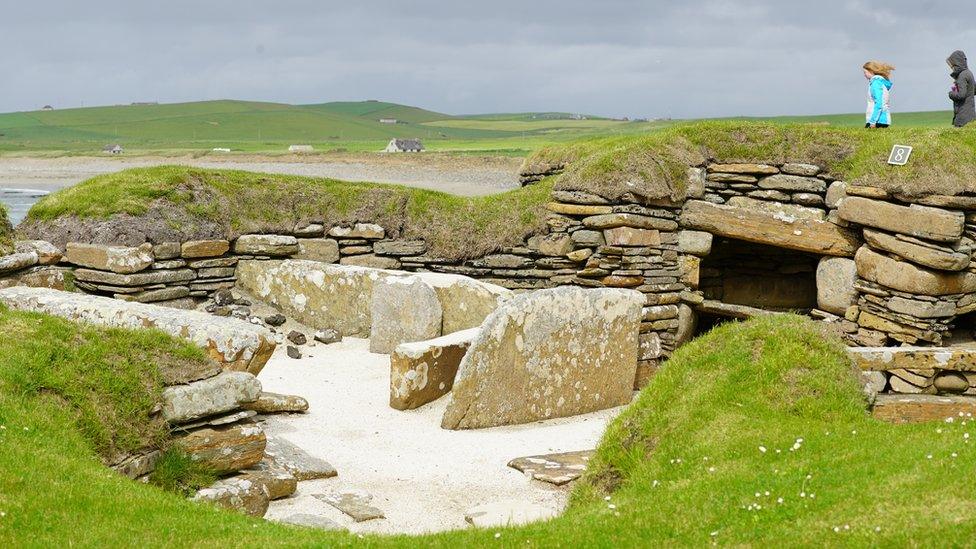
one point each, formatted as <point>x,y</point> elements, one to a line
<point>755,433</point>
<point>6,232</point>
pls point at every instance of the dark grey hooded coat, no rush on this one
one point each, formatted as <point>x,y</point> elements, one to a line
<point>963,102</point>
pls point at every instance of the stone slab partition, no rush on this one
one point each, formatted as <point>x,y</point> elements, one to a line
<point>235,344</point>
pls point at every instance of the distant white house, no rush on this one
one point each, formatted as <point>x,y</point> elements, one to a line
<point>388,120</point>
<point>221,150</point>
<point>404,145</point>
<point>114,148</point>
<point>47,108</point>
<point>300,148</point>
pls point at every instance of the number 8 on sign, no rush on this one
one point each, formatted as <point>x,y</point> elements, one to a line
<point>899,155</point>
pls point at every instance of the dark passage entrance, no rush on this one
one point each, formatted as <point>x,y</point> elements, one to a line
<point>759,276</point>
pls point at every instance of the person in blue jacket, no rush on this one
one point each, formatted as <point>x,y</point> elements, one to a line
<point>878,75</point>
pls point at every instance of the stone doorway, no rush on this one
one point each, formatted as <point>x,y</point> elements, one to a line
<point>756,276</point>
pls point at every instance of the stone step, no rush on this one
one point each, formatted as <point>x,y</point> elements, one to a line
<point>922,408</point>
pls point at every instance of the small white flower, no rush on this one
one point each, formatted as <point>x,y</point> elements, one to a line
<point>877,528</point>
<point>803,494</point>
<point>762,449</point>
<point>779,500</point>
<point>928,456</point>
<point>854,432</point>
<point>813,496</point>
<point>611,506</point>
<point>836,528</point>
<point>949,419</point>
<point>757,494</point>
<point>955,454</point>
<point>766,493</point>
<point>847,527</point>
<point>965,435</point>
<point>713,534</point>
<point>606,498</point>
<point>497,535</point>
<point>711,469</point>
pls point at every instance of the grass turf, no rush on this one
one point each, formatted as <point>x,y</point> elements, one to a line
<point>246,202</point>
<point>654,165</point>
<point>750,413</point>
<point>6,232</point>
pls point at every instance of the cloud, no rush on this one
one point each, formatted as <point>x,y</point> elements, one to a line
<point>615,57</point>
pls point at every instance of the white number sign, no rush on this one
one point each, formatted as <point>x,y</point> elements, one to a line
<point>899,155</point>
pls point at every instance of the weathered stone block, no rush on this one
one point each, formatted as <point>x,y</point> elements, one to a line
<point>907,277</point>
<point>227,448</point>
<point>17,261</point>
<point>793,183</point>
<point>325,250</point>
<point>835,284</point>
<point>465,303</point>
<point>628,236</point>
<point>117,259</point>
<point>370,261</point>
<point>754,169</point>
<point>236,494</point>
<point>274,245</point>
<point>551,353</point>
<point>927,256</point>
<point>235,344</point>
<point>423,371</point>
<point>204,248</point>
<point>47,253</point>
<point>369,231</point>
<point>403,310</point>
<point>819,237</point>
<point>921,408</point>
<point>400,247</point>
<point>145,278</point>
<point>216,395</point>
<point>611,221</point>
<point>588,238</point>
<point>274,403</point>
<point>695,242</point>
<point>578,209</point>
<point>794,168</point>
<point>777,209</point>
<point>919,221</point>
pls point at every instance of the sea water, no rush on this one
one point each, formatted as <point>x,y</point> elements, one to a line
<point>19,201</point>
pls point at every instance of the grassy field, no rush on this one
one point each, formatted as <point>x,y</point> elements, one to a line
<point>269,128</point>
<point>248,126</point>
<point>755,434</point>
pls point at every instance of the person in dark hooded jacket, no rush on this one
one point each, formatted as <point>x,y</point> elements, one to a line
<point>963,90</point>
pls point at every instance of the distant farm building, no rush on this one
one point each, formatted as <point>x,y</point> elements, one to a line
<point>404,145</point>
<point>47,108</point>
<point>113,149</point>
<point>388,120</point>
<point>300,148</point>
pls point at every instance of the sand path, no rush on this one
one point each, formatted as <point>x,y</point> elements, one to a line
<point>422,477</point>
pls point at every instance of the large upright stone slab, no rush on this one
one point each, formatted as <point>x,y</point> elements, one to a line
<point>320,295</point>
<point>235,344</point>
<point>404,309</point>
<point>423,371</point>
<point>919,221</point>
<point>551,353</point>
<point>782,230</point>
<point>465,302</point>
<point>117,259</point>
<point>908,277</point>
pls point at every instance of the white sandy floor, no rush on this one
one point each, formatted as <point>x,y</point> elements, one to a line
<point>422,477</point>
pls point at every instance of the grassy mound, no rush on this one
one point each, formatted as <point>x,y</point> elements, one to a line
<point>765,406</point>
<point>245,202</point>
<point>654,165</point>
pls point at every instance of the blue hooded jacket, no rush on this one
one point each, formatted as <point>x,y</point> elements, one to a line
<point>879,111</point>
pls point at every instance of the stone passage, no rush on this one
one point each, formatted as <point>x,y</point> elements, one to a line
<point>235,344</point>
<point>551,353</point>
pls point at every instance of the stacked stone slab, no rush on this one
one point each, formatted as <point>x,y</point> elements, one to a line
<point>914,270</point>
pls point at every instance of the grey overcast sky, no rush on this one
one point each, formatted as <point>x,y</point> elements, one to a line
<point>611,57</point>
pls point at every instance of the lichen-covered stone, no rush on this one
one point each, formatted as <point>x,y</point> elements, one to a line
<point>17,261</point>
<point>274,245</point>
<point>551,353</point>
<point>921,408</point>
<point>117,259</point>
<point>225,449</point>
<point>144,278</point>
<point>404,309</point>
<point>235,344</point>
<point>695,242</point>
<point>319,295</point>
<point>465,302</point>
<point>47,253</point>
<point>223,393</point>
<point>325,250</point>
<point>369,231</point>
<point>274,403</point>
<point>960,359</point>
<point>423,371</point>
<point>777,208</point>
<point>236,494</point>
<point>835,284</point>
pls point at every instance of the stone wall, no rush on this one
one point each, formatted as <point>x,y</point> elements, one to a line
<point>751,238</point>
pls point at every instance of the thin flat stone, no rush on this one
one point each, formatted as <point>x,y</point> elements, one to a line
<point>356,505</point>
<point>311,521</point>
<point>555,469</point>
<point>296,461</point>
